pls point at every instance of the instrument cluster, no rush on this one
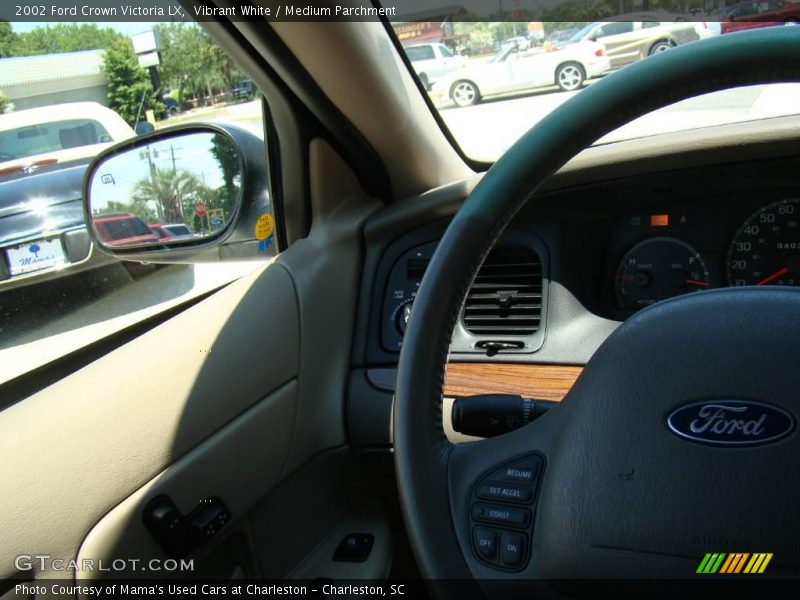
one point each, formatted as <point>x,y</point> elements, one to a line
<point>659,254</point>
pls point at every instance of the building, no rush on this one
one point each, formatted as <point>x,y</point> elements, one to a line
<point>33,81</point>
<point>433,25</point>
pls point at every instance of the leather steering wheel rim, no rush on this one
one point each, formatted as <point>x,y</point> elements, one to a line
<point>422,452</point>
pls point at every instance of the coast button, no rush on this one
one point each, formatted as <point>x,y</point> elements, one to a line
<point>501,515</point>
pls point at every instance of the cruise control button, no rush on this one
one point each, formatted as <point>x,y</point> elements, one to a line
<point>502,515</point>
<point>524,470</point>
<point>512,549</point>
<point>493,490</point>
<point>486,543</point>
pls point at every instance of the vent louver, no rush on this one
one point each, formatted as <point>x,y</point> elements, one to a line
<point>506,297</point>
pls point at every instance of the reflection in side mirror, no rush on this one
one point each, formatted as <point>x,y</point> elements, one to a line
<point>182,189</point>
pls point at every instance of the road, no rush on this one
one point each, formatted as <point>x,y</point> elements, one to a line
<point>41,324</point>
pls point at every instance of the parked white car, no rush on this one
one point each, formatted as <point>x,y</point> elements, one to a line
<point>512,71</point>
<point>433,61</point>
<point>43,156</point>
<point>58,133</point>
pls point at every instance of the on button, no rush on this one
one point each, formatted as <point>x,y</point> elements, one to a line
<point>512,549</point>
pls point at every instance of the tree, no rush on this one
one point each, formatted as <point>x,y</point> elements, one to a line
<point>130,91</point>
<point>6,105</point>
<point>228,159</point>
<point>174,193</point>
<point>579,11</point>
<point>62,37</point>
<point>7,39</point>
<point>191,62</point>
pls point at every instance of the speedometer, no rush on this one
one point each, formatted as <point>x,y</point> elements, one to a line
<point>766,249</point>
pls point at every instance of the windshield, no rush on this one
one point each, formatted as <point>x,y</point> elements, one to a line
<point>488,101</point>
<point>581,33</point>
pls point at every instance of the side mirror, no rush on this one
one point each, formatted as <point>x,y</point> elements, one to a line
<point>594,37</point>
<point>190,193</point>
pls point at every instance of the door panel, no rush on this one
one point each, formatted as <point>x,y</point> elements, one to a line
<point>533,70</point>
<point>227,398</point>
<point>83,445</point>
<point>258,438</point>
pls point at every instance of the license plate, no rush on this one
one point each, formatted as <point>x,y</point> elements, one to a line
<point>34,256</point>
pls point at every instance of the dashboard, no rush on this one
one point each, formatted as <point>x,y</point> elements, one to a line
<point>623,226</point>
<point>575,263</point>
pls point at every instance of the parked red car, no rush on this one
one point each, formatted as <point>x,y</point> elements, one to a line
<point>123,229</point>
<point>760,13</point>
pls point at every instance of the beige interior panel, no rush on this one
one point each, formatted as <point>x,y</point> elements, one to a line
<point>239,464</point>
<point>326,269</point>
<point>363,60</point>
<point>81,446</point>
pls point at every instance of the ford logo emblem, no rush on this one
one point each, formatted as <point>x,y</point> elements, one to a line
<point>732,423</point>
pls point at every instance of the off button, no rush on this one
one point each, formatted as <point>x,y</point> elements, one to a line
<point>486,543</point>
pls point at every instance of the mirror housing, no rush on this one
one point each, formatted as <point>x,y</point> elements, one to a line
<point>213,204</point>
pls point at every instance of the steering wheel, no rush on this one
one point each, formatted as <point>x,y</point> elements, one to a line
<point>612,483</point>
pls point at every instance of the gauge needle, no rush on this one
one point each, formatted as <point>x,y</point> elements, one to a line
<point>774,276</point>
<point>696,282</point>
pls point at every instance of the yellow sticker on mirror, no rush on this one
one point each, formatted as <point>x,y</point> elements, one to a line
<point>264,226</point>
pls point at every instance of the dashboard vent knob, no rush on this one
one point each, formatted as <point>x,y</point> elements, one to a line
<point>506,296</point>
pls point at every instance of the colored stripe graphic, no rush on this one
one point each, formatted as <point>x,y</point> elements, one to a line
<point>734,563</point>
<point>711,562</point>
<point>755,562</point>
<point>764,564</point>
<point>727,564</point>
<point>715,567</point>
<point>703,563</point>
<point>740,562</point>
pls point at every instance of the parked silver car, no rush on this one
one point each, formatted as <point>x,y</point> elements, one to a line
<point>433,61</point>
<point>638,36</point>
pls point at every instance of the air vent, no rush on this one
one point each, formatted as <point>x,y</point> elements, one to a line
<point>506,297</point>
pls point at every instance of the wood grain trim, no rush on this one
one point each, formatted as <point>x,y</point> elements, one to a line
<point>545,382</point>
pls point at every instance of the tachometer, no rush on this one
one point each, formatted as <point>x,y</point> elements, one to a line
<point>656,269</point>
<point>766,249</point>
